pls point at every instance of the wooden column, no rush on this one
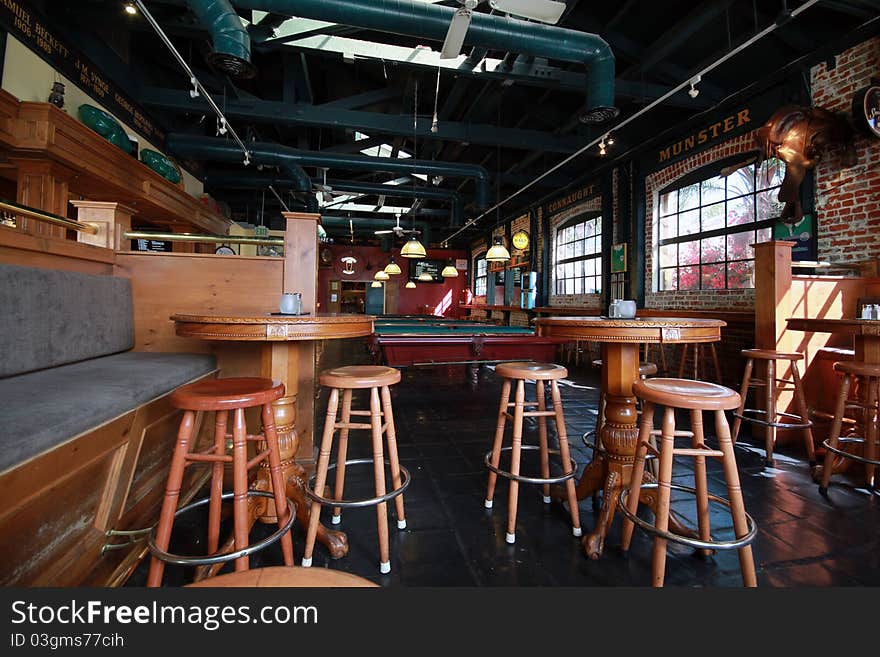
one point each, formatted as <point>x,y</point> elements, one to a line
<point>772,294</point>
<point>773,306</point>
<point>112,220</point>
<point>301,257</point>
<point>301,275</point>
<point>42,185</point>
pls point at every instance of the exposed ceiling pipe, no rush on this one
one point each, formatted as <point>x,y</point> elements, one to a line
<point>232,44</point>
<point>256,180</point>
<point>294,176</point>
<point>221,150</point>
<point>495,32</point>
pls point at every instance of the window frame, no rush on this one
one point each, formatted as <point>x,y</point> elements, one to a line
<point>598,256</point>
<point>477,277</point>
<point>703,174</point>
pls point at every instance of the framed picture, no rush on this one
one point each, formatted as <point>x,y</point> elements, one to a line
<point>618,258</point>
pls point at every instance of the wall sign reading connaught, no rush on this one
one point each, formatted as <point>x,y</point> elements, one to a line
<point>30,27</point>
<point>563,202</point>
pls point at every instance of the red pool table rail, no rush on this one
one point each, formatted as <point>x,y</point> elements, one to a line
<point>402,351</point>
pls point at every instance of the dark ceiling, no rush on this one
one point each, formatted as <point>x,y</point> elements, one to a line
<point>304,97</point>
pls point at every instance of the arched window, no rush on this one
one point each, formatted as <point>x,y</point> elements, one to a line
<point>480,276</point>
<point>577,255</point>
<point>707,222</point>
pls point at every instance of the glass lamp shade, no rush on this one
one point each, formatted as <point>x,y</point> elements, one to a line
<point>381,275</point>
<point>413,249</point>
<point>498,252</point>
<point>376,284</point>
<point>425,276</point>
<point>449,271</point>
<point>392,268</point>
<point>411,285</point>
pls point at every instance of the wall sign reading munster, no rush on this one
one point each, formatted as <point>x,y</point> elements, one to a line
<point>709,133</point>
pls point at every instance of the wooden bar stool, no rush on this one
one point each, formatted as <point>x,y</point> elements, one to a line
<point>285,577</point>
<point>223,396</point>
<point>866,378</point>
<point>773,385</point>
<point>540,373</point>
<point>376,379</point>
<point>695,396</point>
<point>699,366</point>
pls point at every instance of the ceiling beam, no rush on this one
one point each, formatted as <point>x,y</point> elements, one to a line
<point>274,112</point>
<point>357,101</point>
<point>677,35</point>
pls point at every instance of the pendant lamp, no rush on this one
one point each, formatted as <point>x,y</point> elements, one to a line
<point>498,252</point>
<point>411,285</point>
<point>381,275</point>
<point>449,271</point>
<point>426,277</point>
<point>392,268</point>
<point>376,284</point>
<point>413,249</point>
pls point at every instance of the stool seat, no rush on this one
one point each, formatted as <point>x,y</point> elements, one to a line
<point>645,368</point>
<point>771,354</point>
<point>858,368</point>
<point>286,577</point>
<point>687,393</point>
<point>356,377</point>
<point>535,371</point>
<point>227,394</point>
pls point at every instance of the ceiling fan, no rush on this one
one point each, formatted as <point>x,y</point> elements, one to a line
<point>398,230</point>
<point>545,11</point>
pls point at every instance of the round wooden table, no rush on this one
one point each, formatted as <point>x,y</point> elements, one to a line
<point>611,469</point>
<point>288,355</point>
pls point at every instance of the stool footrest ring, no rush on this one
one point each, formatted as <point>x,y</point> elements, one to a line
<point>351,504</point>
<point>180,560</point>
<point>848,455</point>
<point>530,480</point>
<point>779,425</point>
<point>687,540</point>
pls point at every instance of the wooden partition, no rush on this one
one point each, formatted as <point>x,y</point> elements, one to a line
<point>59,506</point>
<point>781,294</point>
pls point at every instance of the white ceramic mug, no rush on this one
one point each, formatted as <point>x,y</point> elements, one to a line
<point>291,303</point>
<point>626,308</point>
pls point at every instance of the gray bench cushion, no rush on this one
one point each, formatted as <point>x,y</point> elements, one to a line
<point>43,409</point>
<point>53,317</point>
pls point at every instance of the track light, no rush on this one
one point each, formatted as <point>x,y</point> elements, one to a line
<point>609,139</point>
<point>130,9</point>
<point>694,92</point>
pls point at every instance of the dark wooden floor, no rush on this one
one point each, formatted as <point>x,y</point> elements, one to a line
<point>445,419</point>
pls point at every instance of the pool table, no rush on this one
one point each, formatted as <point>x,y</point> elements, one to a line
<point>403,343</point>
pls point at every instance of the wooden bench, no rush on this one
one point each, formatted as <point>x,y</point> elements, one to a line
<point>86,430</point>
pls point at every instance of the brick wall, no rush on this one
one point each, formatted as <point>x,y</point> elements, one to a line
<point>848,199</point>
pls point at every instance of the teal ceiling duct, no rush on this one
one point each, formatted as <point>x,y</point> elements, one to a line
<point>232,44</point>
<point>494,32</point>
<point>257,180</point>
<point>217,149</point>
